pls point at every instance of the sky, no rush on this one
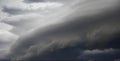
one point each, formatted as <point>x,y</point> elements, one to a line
<point>47,30</point>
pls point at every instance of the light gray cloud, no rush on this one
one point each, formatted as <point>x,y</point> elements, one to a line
<point>6,36</point>
<point>4,26</point>
<point>38,1</point>
<point>6,39</point>
<point>24,8</point>
<point>32,1</point>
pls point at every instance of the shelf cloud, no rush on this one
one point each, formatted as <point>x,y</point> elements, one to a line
<point>47,30</point>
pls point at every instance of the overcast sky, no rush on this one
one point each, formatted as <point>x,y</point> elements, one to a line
<point>18,17</point>
<point>24,23</point>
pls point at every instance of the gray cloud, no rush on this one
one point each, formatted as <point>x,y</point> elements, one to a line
<point>43,9</point>
<point>37,1</point>
<point>33,1</point>
<point>100,55</point>
<point>14,11</point>
<point>66,40</point>
<point>83,29</point>
<point>6,39</point>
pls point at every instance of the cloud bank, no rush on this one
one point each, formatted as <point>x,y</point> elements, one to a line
<point>89,34</point>
<point>77,30</point>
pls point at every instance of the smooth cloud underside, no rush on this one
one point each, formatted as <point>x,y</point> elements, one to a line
<point>79,31</point>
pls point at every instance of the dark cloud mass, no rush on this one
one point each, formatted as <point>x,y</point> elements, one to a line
<point>89,35</point>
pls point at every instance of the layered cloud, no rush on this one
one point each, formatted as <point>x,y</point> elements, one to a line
<point>17,19</point>
<point>60,30</point>
<point>6,39</point>
<point>89,34</point>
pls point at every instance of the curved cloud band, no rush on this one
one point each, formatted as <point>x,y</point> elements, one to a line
<point>77,31</point>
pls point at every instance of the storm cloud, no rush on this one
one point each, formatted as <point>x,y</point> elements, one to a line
<point>60,30</point>
<point>91,34</point>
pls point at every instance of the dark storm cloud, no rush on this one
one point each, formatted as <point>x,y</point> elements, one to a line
<point>77,54</point>
<point>77,39</point>
<point>14,11</point>
<point>100,55</point>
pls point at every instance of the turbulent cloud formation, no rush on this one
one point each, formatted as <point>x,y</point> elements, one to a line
<point>16,18</point>
<point>77,30</point>
<point>89,34</point>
